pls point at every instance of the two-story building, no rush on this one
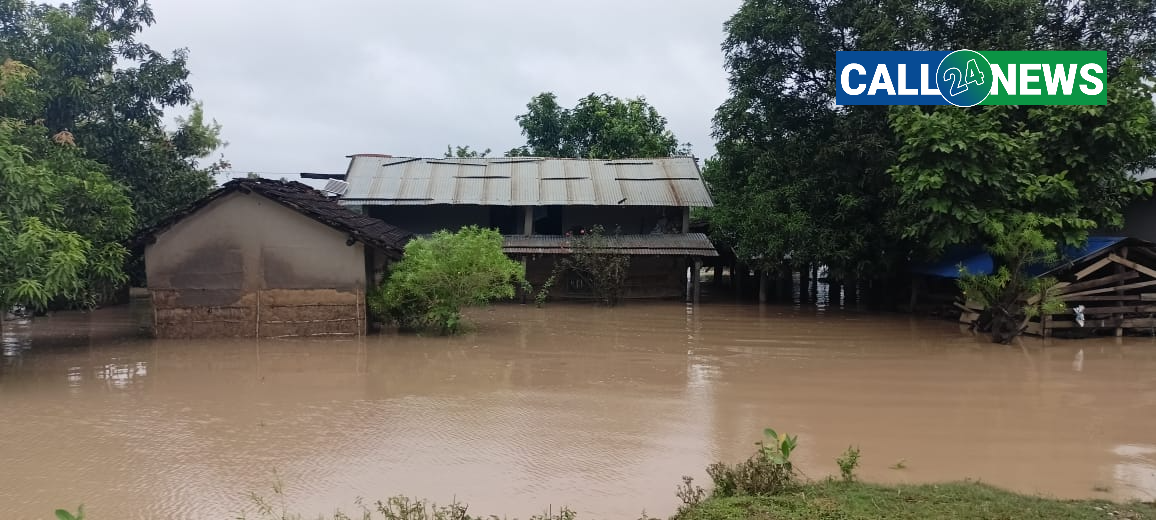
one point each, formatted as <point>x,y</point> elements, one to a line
<point>535,201</point>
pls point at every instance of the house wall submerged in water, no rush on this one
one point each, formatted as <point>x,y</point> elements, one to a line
<point>264,259</point>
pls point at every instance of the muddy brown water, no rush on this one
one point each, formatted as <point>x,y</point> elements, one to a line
<point>601,410</point>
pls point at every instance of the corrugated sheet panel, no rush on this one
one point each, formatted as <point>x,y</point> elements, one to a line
<point>692,244</point>
<point>515,181</point>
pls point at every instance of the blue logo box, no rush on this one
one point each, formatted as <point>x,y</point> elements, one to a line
<point>910,74</point>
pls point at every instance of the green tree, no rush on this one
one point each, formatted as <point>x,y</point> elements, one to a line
<point>464,152</point>
<point>110,92</point>
<point>603,127</point>
<point>62,220</point>
<point>1005,293</point>
<point>444,273</point>
<point>801,181</point>
<point>964,175</point>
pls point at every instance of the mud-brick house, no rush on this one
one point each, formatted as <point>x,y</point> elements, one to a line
<point>265,258</point>
<point>534,202</point>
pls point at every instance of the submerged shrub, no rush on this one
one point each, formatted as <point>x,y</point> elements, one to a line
<point>593,260</point>
<point>442,274</point>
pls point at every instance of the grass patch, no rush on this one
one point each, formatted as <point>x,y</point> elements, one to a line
<point>830,500</point>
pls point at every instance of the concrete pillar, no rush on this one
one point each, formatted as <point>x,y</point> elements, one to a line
<point>685,220</point>
<point>762,286</point>
<point>528,215</point>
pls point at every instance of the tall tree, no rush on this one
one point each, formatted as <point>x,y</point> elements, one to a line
<point>604,127</point>
<point>62,220</point>
<point>799,180</point>
<point>110,91</point>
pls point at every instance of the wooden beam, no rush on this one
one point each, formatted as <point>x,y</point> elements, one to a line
<point>1098,282</point>
<point>1149,283</point>
<point>1093,268</point>
<point>1145,252</point>
<point>1095,311</point>
<point>1135,323</point>
<point>1141,297</point>
<point>1128,263</point>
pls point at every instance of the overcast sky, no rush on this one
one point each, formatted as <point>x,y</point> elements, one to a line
<point>299,85</point>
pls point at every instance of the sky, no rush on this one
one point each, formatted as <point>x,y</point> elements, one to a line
<point>297,86</point>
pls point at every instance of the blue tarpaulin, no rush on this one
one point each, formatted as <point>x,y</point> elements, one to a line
<point>978,261</point>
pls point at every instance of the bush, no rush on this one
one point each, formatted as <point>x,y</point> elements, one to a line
<point>442,274</point>
<point>768,472</point>
<point>592,260</point>
<point>847,463</point>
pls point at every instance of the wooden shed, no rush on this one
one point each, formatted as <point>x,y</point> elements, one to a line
<point>1113,286</point>
<point>265,258</point>
<point>1108,286</point>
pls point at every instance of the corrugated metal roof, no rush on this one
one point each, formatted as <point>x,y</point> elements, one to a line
<point>525,181</point>
<point>690,244</point>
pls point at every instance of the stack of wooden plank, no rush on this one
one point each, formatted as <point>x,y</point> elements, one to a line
<point>1116,287</point>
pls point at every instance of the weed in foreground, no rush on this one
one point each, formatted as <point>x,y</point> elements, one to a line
<point>62,514</point>
<point>847,463</point>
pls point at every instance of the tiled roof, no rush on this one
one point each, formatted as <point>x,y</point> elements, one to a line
<point>305,200</point>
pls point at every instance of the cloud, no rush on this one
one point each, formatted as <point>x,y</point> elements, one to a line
<point>299,85</point>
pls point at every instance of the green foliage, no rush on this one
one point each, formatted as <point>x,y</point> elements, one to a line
<point>964,174</point>
<point>847,462</point>
<point>442,274</point>
<point>63,514</point>
<point>949,501</point>
<point>768,472</point>
<point>602,127</point>
<point>464,152</point>
<point>109,91</point>
<point>1019,244</point>
<point>61,219</point>
<point>543,292</point>
<point>800,181</point>
<point>591,259</point>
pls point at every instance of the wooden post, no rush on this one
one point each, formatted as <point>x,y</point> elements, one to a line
<point>914,292</point>
<point>257,320</point>
<point>528,216</point>
<point>1119,270</point>
<point>686,220</point>
<point>762,286</point>
<point>695,277</point>
<point>739,272</point>
<point>523,289</point>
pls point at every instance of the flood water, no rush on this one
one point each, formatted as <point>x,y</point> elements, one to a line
<point>601,410</point>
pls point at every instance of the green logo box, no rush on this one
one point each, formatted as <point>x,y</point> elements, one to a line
<point>1046,78</point>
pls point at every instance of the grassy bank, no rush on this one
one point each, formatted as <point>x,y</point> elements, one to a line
<point>858,501</point>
